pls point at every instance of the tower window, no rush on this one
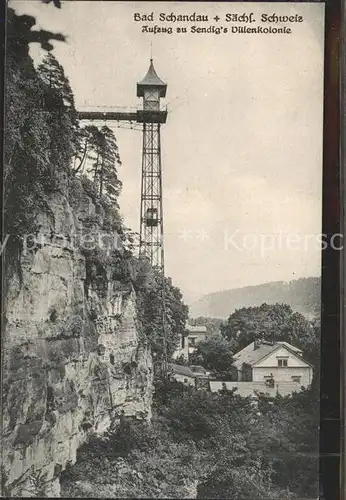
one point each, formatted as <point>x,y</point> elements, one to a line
<point>151,100</point>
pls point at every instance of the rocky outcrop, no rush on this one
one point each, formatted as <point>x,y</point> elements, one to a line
<point>74,360</point>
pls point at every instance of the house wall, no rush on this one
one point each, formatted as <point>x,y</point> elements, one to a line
<point>187,349</point>
<point>246,389</point>
<point>182,350</point>
<point>184,379</point>
<point>283,373</point>
<point>295,367</point>
<point>245,374</point>
<point>198,338</point>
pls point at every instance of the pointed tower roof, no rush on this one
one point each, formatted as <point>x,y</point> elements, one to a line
<point>151,79</point>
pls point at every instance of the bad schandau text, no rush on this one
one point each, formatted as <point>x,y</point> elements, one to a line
<point>231,22</point>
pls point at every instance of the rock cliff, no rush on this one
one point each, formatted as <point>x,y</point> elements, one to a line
<point>74,359</point>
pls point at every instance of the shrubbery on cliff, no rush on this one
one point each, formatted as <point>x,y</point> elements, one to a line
<point>219,443</point>
<point>45,146</point>
<point>47,151</point>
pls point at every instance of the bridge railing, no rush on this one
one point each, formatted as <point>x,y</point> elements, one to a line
<point>113,109</point>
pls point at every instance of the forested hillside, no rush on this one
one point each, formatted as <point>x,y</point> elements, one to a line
<point>303,295</point>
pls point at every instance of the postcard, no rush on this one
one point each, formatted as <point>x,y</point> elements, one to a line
<point>163,245</point>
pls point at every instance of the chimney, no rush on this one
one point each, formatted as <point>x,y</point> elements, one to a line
<point>256,345</point>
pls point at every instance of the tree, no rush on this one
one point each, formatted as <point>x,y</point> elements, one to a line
<point>28,172</point>
<point>288,429</point>
<point>148,283</point>
<point>62,115</point>
<point>109,183</point>
<point>232,448</point>
<point>268,322</point>
<point>56,3</point>
<point>214,353</point>
<point>99,146</point>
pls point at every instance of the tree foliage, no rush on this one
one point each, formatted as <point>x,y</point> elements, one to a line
<point>275,322</point>
<point>43,134</point>
<point>214,353</point>
<point>152,292</point>
<point>61,113</point>
<point>220,442</point>
<point>101,147</point>
<point>28,167</point>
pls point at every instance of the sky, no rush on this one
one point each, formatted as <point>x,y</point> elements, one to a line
<point>242,146</point>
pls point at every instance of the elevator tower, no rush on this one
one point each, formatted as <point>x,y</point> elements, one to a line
<point>151,89</point>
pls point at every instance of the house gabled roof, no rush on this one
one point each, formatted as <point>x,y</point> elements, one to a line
<point>186,371</point>
<point>251,356</point>
<point>198,369</point>
<point>182,370</point>
<point>290,346</point>
<point>196,329</point>
<point>296,352</point>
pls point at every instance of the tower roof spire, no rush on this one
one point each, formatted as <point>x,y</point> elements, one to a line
<point>151,79</point>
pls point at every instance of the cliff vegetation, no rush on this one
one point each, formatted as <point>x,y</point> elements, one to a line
<point>82,312</point>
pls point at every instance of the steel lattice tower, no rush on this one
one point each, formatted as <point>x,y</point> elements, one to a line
<point>150,117</point>
<point>151,89</point>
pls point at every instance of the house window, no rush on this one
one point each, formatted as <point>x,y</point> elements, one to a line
<point>192,342</point>
<point>296,378</point>
<point>185,380</point>
<point>282,362</point>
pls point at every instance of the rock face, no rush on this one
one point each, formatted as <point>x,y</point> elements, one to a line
<point>74,360</point>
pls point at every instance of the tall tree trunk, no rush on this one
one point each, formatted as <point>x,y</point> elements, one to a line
<point>96,165</point>
<point>83,158</point>
<point>101,176</point>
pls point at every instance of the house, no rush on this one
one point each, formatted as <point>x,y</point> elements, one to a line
<point>269,368</point>
<point>185,375</point>
<point>198,369</point>
<point>182,349</point>
<point>189,340</point>
<point>272,363</point>
<point>182,374</point>
<point>195,335</point>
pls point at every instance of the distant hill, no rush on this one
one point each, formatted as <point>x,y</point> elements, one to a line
<point>303,295</point>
